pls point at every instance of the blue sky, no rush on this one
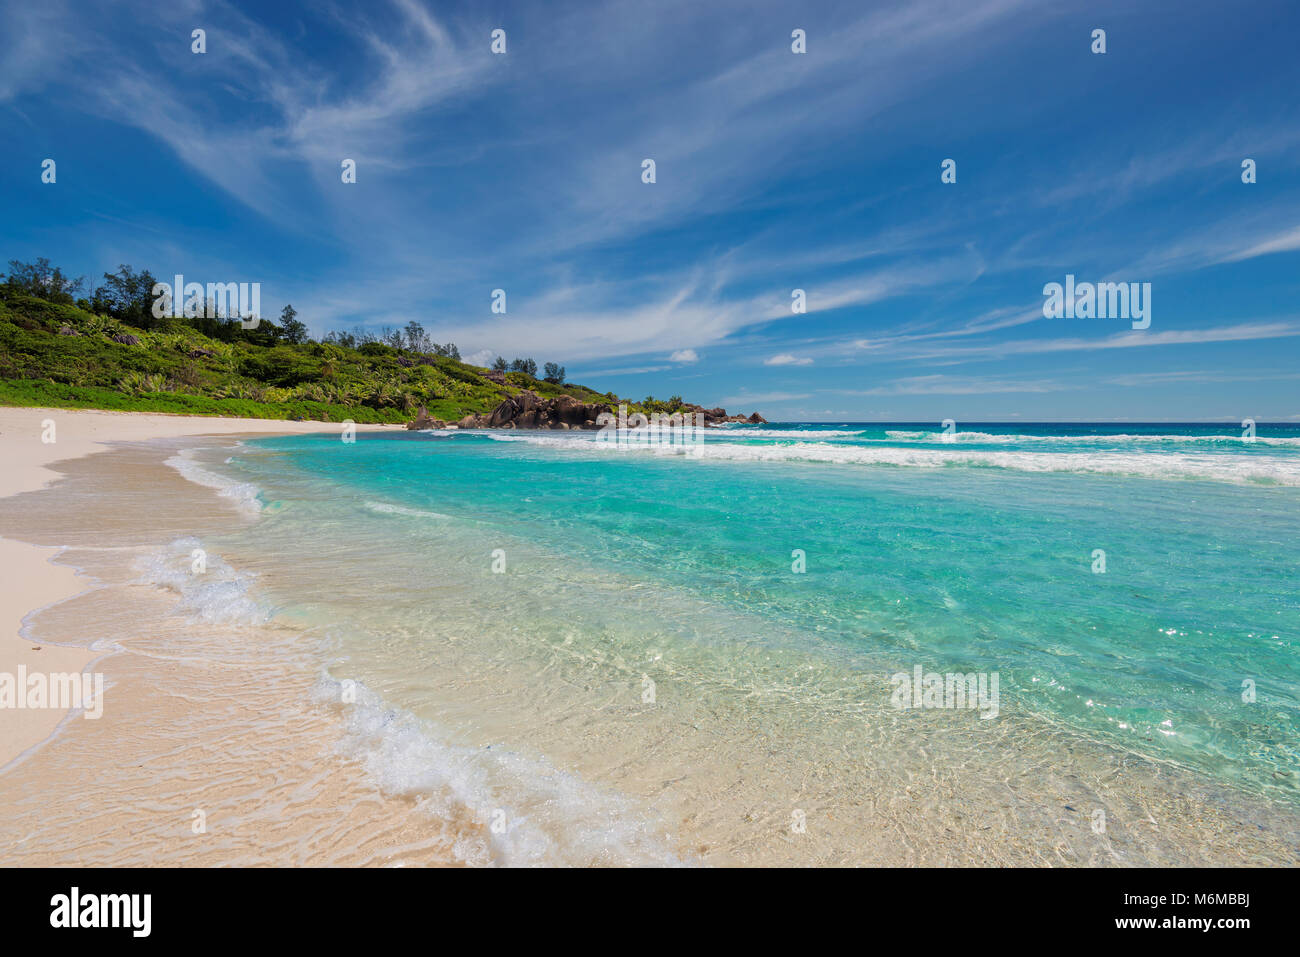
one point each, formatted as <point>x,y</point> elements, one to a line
<point>775,171</point>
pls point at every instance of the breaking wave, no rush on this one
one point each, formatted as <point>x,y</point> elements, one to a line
<point>1216,466</point>
<point>244,495</point>
<point>525,811</point>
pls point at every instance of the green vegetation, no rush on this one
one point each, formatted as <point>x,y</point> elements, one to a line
<point>111,352</point>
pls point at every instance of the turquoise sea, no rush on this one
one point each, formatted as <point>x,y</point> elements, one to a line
<point>733,611</point>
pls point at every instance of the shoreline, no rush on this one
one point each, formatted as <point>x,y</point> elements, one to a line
<point>184,710</point>
<point>210,749</point>
<point>32,582</point>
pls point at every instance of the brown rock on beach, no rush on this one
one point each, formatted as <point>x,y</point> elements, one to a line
<point>424,421</point>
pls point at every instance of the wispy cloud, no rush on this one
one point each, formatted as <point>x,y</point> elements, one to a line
<point>775,171</point>
<point>955,385</point>
<point>1240,332</point>
<point>1179,377</point>
<point>626,370</point>
<point>1283,243</point>
<point>747,400</point>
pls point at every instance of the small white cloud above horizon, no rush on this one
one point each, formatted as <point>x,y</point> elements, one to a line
<point>684,355</point>
<point>785,359</point>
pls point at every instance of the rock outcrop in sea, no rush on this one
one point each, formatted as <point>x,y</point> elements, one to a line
<point>716,416</point>
<point>528,410</point>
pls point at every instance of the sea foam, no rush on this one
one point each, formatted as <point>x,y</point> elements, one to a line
<point>384,508</point>
<point>1204,466</point>
<point>526,811</point>
<point>218,594</point>
<point>244,495</point>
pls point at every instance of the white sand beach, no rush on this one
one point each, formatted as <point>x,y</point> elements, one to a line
<point>29,582</point>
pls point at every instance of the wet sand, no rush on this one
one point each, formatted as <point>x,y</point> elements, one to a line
<point>208,756</point>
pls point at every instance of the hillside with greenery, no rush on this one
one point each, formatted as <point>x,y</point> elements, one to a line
<point>108,351</point>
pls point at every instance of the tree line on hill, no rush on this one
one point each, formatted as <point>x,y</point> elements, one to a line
<point>128,296</point>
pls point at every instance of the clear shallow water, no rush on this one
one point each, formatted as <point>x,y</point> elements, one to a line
<point>624,568</point>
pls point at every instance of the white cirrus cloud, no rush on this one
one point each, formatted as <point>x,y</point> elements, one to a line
<point>785,359</point>
<point>1282,243</point>
<point>956,385</point>
<point>625,370</point>
<point>684,355</point>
